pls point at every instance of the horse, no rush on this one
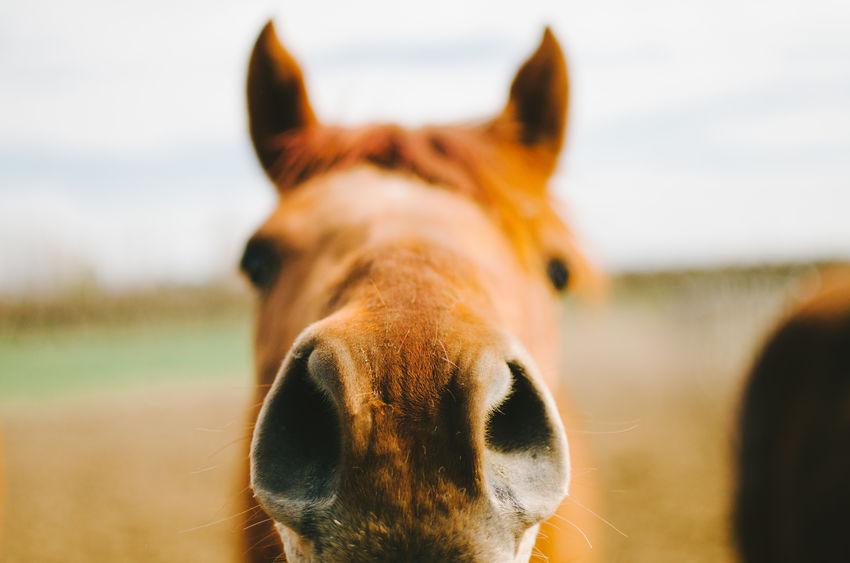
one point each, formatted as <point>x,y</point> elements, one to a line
<point>793,469</point>
<point>406,341</point>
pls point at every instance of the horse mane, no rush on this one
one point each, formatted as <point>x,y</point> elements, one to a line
<point>792,489</point>
<point>507,180</point>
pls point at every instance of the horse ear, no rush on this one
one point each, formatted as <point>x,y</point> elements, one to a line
<point>277,98</point>
<point>535,115</point>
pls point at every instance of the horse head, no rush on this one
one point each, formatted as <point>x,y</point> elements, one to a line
<point>406,333</point>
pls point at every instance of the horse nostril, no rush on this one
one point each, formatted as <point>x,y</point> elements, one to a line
<point>526,462</point>
<point>295,452</point>
<point>520,422</point>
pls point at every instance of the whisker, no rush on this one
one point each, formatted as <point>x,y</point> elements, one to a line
<point>208,524</point>
<point>404,339</point>
<point>241,512</point>
<point>579,530</point>
<point>265,538</point>
<point>221,429</point>
<point>620,431</point>
<point>228,445</point>
<point>590,420</point>
<point>257,523</point>
<point>613,527</point>
<point>204,470</point>
<point>446,353</point>
<point>536,552</point>
<point>366,360</point>
<point>550,523</point>
<point>380,295</point>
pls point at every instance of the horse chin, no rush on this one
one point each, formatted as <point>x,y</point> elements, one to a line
<point>526,544</point>
<point>295,548</point>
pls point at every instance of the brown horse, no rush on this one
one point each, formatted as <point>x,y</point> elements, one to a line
<point>407,285</point>
<point>793,498</point>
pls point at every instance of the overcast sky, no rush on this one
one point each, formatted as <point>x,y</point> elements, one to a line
<point>701,132</point>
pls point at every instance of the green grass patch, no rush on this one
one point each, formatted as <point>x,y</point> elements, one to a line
<point>62,360</point>
<point>90,340</point>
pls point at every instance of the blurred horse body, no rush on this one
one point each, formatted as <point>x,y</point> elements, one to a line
<point>793,497</point>
<point>406,340</point>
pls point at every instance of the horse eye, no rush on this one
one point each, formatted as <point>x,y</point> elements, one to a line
<point>261,263</point>
<point>558,273</point>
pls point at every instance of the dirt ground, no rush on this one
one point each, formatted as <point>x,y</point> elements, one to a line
<point>151,476</point>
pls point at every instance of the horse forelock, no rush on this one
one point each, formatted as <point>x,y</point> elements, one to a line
<point>507,180</point>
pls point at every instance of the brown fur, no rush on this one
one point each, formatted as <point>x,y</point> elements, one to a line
<point>417,289</point>
<point>507,180</point>
<point>794,452</point>
<point>463,160</point>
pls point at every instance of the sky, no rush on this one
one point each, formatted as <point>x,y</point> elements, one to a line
<point>700,133</point>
